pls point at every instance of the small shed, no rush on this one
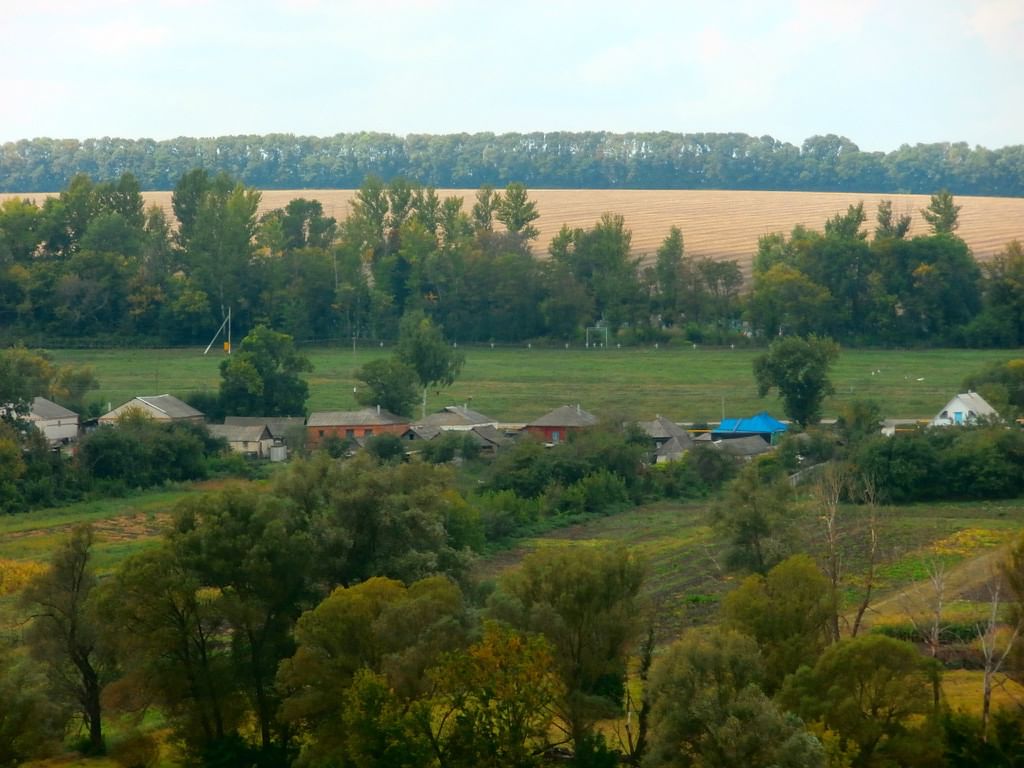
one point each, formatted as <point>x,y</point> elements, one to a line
<point>158,407</point>
<point>964,409</point>
<point>58,424</point>
<point>254,441</point>
<point>555,426</point>
<point>349,425</point>
<point>761,425</point>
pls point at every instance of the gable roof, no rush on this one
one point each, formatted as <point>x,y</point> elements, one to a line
<point>366,417</point>
<point>422,432</point>
<point>456,416</point>
<point>665,429</point>
<point>277,425</point>
<point>47,410</point>
<point>240,433</point>
<point>759,424</point>
<point>487,434</point>
<point>673,448</point>
<point>752,445</point>
<point>172,406</point>
<point>972,402</point>
<point>565,416</point>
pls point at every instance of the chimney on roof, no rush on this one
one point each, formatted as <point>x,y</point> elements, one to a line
<point>578,409</point>
<point>378,409</point>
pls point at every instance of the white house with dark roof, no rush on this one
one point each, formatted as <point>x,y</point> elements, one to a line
<point>158,407</point>
<point>58,425</point>
<point>964,409</point>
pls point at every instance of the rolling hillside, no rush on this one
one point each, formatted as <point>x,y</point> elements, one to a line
<point>719,224</point>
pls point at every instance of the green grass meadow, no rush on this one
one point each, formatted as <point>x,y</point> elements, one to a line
<point>519,384</point>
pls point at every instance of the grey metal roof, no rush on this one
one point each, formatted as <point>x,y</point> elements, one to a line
<point>172,406</point>
<point>673,448</point>
<point>422,432</point>
<point>240,433</point>
<point>47,410</point>
<point>367,417</point>
<point>456,416</point>
<point>491,435</point>
<point>565,416</point>
<point>666,429</point>
<point>277,425</point>
<point>751,445</point>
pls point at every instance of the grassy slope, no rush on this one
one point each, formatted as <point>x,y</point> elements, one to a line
<point>518,384</point>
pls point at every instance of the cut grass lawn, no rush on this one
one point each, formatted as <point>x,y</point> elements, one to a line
<point>517,384</point>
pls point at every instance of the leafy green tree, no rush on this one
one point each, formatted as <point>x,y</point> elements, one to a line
<point>64,634</point>
<point>169,640</point>
<point>517,212</point>
<point>422,347</point>
<point>941,214</point>
<point>890,225</point>
<point>872,691</point>
<point>585,602</point>
<point>394,632</point>
<point>487,201</point>
<point>798,368</point>
<point>252,550</point>
<point>31,722</point>
<point>708,710</point>
<point>389,383</point>
<point>785,300</point>
<point>787,612</point>
<point>497,701</point>
<point>859,420</point>
<point>756,514</point>
<point>403,521</point>
<point>262,377</point>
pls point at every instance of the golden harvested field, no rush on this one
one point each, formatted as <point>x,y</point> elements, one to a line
<point>719,224</point>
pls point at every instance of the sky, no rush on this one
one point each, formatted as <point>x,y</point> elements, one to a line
<point>882,73</point>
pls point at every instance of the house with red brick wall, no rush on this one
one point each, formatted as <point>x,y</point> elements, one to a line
<point>555,426</point>
<point>367,422</point>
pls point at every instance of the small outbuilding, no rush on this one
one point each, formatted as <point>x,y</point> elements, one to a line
<point>963,410</point>
<point>57,424</point>
<point>352,425</point>
<point>555,426</point>
<point>158,407</point>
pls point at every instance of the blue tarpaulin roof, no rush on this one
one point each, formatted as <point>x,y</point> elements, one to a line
<point>760,424</point>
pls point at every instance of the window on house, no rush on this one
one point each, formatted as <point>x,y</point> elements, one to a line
<point>321,433</point>
<point>350,433</point>
<point>555,436</point>
<point>367,432</point>
<point>958,417</point>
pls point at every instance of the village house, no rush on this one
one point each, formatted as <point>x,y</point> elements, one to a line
<point>251,440</point>
<point>761,425</point>
<point>555,426</point>
<point>457,417</point>
<point>285,430</point>
<point>157,407</point>
<point>57,424</point>
<point>670,440</point>
<point>964,409</point>
<point>352,425</point>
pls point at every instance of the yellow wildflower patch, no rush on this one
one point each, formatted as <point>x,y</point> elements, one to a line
<point>15,574</point>
<point>968,542</point>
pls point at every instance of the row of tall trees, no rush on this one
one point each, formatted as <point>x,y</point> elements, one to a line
<point>92,264</point>
<point>589,160</point>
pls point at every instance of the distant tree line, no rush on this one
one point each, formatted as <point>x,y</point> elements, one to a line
<point>93,265</point>
<point>588,160</point>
